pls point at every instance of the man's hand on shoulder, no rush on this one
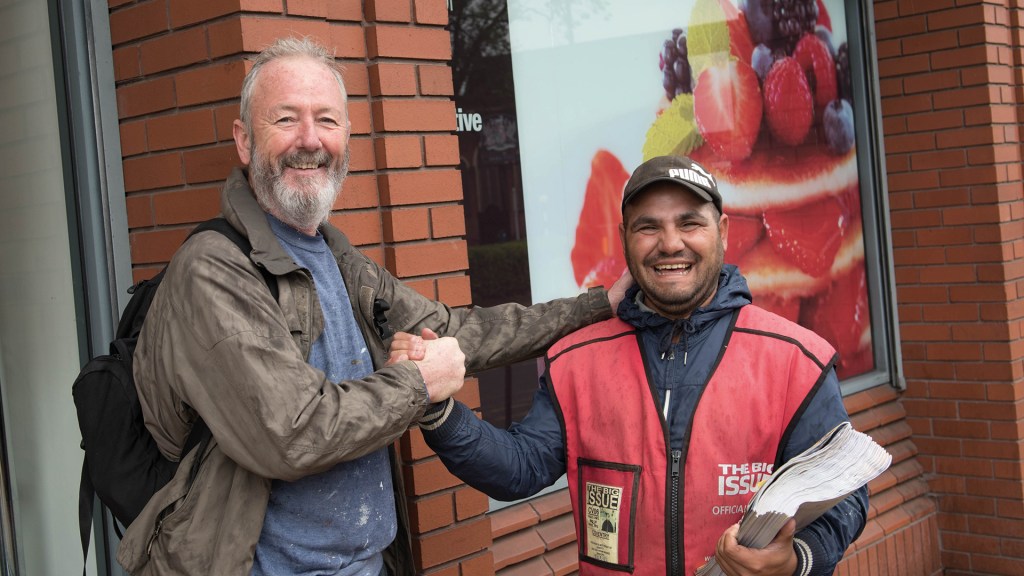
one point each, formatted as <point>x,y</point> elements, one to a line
<point>617,292</point>
<point>778,558</point>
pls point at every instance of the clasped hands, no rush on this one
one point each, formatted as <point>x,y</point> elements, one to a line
<point>440,360</point>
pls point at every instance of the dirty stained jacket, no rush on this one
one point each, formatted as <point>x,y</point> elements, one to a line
<point>216,344</point>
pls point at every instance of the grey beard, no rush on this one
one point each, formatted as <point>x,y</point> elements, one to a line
<point>304,207</point>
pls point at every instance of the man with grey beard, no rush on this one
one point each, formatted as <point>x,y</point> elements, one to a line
<point>299,392</point>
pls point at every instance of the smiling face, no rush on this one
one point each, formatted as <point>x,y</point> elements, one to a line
<point>297,145</point>
<point>674,244</point>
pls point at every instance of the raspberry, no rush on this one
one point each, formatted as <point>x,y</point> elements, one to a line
<point>843,72</point>
<point>780,23</point>
<point>816,60</point>
<point>788,104</point>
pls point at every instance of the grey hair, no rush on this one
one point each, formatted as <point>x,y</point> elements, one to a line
<point>288,47</point>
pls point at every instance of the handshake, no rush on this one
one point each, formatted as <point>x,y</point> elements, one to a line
<point>440,360</point>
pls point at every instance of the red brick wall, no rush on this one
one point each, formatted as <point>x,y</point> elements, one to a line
<point>951,94</point>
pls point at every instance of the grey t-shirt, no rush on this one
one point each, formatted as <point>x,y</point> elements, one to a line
<point>337,522</point>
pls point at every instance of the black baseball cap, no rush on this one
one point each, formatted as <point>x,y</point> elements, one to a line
<point>678,169</point>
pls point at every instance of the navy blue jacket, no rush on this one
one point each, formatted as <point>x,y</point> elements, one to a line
<point>530,455</point>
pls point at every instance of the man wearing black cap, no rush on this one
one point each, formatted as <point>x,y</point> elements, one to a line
<point>666,419</point>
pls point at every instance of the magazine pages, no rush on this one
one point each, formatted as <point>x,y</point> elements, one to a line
<point>808,485</point>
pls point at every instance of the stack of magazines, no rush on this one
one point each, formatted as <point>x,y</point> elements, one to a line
<point>808,485</point>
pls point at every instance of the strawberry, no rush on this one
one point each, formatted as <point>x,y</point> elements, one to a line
<point>740,44</point>
<point>727,105</point>
<point>744,233</point>
<point>787,101</point>
<point>597,257</point>
<point>841,315</point>
<point>816,60</point>
<point>809,236</point>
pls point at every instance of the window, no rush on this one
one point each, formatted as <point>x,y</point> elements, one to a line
<point>558,101</point>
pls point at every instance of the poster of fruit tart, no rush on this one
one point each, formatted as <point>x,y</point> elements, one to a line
<point>757,91</point>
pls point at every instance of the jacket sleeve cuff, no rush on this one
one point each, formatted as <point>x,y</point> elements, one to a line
<point>600,307</point>
<point>810,557</point>
<point>436,415</point>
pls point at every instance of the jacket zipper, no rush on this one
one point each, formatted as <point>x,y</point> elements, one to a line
<point>674,513</point>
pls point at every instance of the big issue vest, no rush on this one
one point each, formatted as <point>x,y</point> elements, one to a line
<point>623,477</point>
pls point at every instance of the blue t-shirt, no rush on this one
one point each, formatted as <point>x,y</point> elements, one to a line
<point>337,522</point>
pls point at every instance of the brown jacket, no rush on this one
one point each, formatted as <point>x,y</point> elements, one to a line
<point>216,340</point>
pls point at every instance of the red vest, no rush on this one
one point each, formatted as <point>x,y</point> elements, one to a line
<point>618,463</point>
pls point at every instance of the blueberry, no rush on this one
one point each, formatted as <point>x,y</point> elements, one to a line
<point>762,60</point>
<point>838,122</point>
<point>826,37</point>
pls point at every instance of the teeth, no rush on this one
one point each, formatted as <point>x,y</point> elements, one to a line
<point>673,267</point>
<point>306,166</point>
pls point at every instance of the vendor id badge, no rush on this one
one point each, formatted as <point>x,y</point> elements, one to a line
<point>607,502</point>
<point>603,504</point>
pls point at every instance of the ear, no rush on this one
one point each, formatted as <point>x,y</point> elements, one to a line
<point>242,142</point>
<point>723,228</point>
<point>622,235</point>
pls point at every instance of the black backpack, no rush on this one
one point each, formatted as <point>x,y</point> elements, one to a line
<point>123,465</point>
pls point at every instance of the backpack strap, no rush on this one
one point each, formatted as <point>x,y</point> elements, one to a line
<point>200,434</point>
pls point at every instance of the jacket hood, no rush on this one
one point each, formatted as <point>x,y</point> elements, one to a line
<point>732,294</point>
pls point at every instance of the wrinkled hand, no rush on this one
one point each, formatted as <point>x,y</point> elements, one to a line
<point>406,346</point>
<point>443,367</point>
<point>617,292</point>
<point>776,559</point>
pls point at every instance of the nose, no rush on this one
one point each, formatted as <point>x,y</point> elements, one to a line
<point>309,138</point>
<point>671,241</point>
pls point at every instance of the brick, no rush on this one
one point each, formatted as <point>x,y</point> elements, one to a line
<point>428,476</point>
<point>174,50</point>
<point>431,258</point>
<point>436,80</point>
<point>417,43</point>
<point>127,63</point>
<point>133,138</point>
<point>563,560</point>
<point>470,503</point>
<point>388,11</point>
<point>479,565</point>
<point>211,164</point>
<point>392,79</point>
<point>189,128</point>
<point>552,505</point>
<point>186,12</point>
<point>140,273</point>
<point>414,447</point>
<point>361,155</point>
<point>138,21</point>
<point>149,172</point>
<point>226,37</point>
<point>425,287</point>
<point>513,519</point>
<point>557,531</point>
<point>414,115</point>
<point>442,149</point>
<point>447,221</point>
<point>212,83</point>
<point>348,40</point>
<point>356,78</point>
<point>450,543</point>
<point>401,188</point>
<point>350,10</point>
<point>358,191</point>
<point>398,151</point>
<point>431,12</point>
<point>155,246</point>
<point>360,117</point>
<point>314,8</point>
<point>516,547</point>
<point>431,513</point>
<point>224,120</point>
<point>405,224</point>
<point>145,97</point>
<point>140,210</point>
<point>362,227</point>
<point>185,206</point>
